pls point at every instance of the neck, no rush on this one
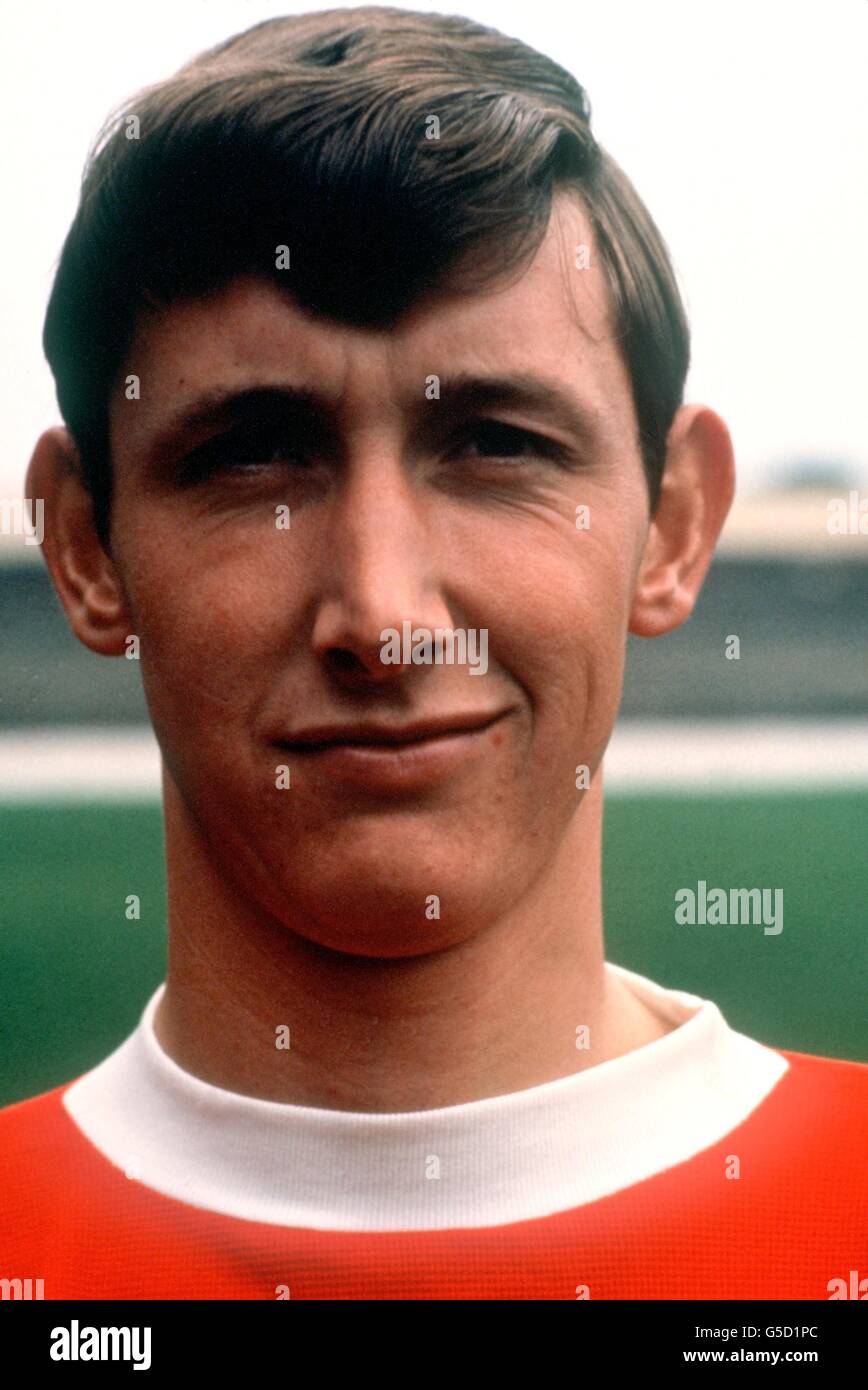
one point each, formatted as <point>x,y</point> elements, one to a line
<point>494,1014</point>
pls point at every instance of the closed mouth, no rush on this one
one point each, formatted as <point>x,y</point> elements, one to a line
<point>370,737</point>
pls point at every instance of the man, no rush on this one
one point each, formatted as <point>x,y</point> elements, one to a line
<point>372,366</point>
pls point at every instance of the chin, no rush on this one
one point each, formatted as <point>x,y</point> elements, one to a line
<point>378,911</point>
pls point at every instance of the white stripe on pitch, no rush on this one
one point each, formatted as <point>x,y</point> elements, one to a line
<point>731,755</point>
<point>123,764</point>
<point>71,764</point>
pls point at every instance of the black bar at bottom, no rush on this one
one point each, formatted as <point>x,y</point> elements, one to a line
<point>254,1338</point>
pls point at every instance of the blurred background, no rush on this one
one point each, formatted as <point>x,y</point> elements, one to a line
<point>747,134</point>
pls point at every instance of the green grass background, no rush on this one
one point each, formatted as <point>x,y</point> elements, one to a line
<point>75,973</point>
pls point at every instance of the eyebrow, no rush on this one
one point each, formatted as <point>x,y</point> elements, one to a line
<point>460,394</point>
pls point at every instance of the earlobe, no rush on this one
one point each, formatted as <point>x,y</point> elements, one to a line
<point>83,574</point>
<point>695,496</point>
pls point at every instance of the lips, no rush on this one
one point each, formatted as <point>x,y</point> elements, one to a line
<point>415,760</point>
<point>366,735</point>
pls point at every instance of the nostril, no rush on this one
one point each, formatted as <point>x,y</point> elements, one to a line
<point>344,660</point>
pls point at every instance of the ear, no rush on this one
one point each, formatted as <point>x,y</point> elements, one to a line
<point>695,496</point>
<point>83,574</point>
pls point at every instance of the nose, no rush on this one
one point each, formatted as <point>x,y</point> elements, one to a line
<point>380,566</point>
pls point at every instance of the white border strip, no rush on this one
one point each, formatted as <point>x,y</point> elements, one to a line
<point>123,764</point>
<point>81,764</point>
<point>737,755</point>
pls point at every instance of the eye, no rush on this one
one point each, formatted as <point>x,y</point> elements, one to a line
<point>496,440</point>
<point>242,450</point>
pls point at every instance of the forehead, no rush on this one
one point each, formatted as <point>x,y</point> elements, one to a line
<point>553,320</point>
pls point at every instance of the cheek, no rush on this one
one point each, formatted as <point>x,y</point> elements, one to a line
<point>563,618</point>
<point>211,618</point>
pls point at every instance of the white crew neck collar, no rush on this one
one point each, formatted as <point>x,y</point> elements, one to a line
<point>507,1158</point>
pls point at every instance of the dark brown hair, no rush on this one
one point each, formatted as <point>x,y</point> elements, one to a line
<point>312,131</point>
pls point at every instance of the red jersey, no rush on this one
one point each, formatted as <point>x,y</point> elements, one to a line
<point>703,1165</point>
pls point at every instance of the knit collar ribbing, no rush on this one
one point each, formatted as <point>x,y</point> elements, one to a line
<point>484,1163</point>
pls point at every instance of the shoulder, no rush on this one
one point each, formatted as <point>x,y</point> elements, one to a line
<point>29,1128</point>
<point>44,1159</point>
<point>832,1083</point>
<point>812,1125</point>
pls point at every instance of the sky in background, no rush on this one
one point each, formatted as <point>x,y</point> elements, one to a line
<point>743,125</point>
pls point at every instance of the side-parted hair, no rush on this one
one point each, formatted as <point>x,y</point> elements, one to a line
<point>315,132</point>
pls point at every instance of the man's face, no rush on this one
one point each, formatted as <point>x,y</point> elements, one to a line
<point>458,512</point>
